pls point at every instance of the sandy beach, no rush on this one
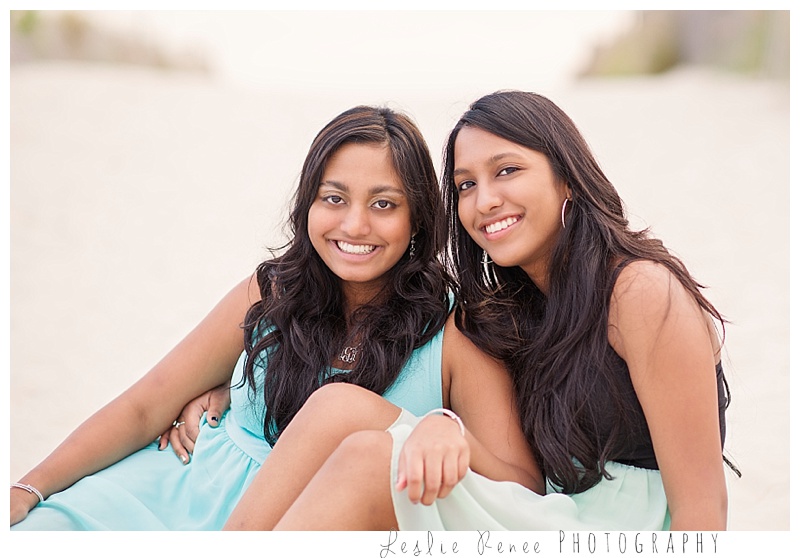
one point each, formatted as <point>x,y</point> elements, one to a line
<point>138,198</point>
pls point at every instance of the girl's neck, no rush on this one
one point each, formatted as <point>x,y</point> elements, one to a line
<point>540,276</point>
<point>356,296</point>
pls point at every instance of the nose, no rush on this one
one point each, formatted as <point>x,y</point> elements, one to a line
<point>488,197</point>
<point>356,221</point>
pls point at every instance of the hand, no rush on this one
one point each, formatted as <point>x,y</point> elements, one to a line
<point>21,503</point>
<point>183,434</point>
<point>434,458</point>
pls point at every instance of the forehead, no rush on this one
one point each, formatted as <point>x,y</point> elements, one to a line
<point>362,163</point>
<point>474,146</point>
<point>363,155</point>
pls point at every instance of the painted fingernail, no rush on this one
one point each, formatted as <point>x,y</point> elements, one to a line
<point>213,419</point>
<point>183,458</point>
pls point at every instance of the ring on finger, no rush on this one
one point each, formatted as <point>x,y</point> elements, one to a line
<point>177,424</point>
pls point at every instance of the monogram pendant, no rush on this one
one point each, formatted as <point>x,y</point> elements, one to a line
<point>348,354</point>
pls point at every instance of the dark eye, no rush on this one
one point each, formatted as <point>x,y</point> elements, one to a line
<point>508,170</point>
<point>336,200</point>
<point>383,204</point>
<point>466,185</point>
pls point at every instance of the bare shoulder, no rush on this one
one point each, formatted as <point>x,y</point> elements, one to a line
<point>452,335</point>
<point>457,346</point>
<point>647,288</point>
<point>460,355</point>
<point>646,299</point>
<point>252,287</point>
<point>641,277</point>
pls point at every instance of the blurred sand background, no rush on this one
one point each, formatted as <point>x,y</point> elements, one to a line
<point>145,182</point>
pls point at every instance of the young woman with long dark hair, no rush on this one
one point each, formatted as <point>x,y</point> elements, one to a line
<point>358,296</point>
<point>612,347</point>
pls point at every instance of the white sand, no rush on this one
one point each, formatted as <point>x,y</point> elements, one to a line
<point>138,198</point>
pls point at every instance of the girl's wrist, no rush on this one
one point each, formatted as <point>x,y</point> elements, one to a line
<point>34,495</point>
<point>449,413</point>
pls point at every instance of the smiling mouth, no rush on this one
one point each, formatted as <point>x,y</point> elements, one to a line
<point>357,249</point>
<point>500,225</point>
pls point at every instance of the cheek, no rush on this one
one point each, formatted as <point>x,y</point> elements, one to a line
<point>401,225</point>
<point>316,226</point>
<point>465,217</point>
<point>463,212</point>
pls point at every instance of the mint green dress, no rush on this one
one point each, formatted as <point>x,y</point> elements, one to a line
<point>633,501</point>
<point>153,490</point>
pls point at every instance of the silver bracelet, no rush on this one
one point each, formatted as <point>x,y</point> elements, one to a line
<point>450,414</point>
<point>28,488</point>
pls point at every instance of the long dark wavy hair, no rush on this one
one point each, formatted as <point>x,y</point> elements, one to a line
<point>299,327</point>
<point>556,346</point>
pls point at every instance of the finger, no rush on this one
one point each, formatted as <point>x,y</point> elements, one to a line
<point>186,440</point>
<point>433,479</point>
<point>401,481</point>
<point>193,414</point>
<point>190,430</point>
<point>177,446</point>
<point>218,401</point>
<point>463,465</point>
<point>163,440</point>
<point>212,418</point>
<point>452,473</point>
<point>415,470</point>
<point>449,476</point>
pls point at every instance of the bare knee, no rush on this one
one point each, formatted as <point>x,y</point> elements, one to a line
<point>352,491</point>
<point>337,395</point>
<point>366,446</point>
<point>352,405</point>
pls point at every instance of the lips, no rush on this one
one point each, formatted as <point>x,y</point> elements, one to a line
<point>500,225</point>
<point>355,249</point>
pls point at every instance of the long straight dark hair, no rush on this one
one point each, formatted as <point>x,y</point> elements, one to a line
<point>295,332</point>
<point>556,346</point>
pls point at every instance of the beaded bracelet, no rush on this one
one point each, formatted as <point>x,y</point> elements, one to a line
<point>450,414</point>
<point>28,488</point>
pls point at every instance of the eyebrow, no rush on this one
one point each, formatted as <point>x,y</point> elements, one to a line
<point>492,159</point>
<point>377,189</point>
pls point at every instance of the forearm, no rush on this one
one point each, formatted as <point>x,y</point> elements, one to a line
<point>112,433</point>
<point>487,464</point>
<point>701,516</point>
<point>702,506</point>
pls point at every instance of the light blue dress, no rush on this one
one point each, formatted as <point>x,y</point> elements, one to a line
<point>153,490</point>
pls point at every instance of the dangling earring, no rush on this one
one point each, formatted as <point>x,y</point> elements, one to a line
<point>563,209</point>
<point>489,271</point>
<point>412,247</point>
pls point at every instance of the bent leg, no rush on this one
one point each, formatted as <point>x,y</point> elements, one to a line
<point>331,414</point>
<point>350,492</point>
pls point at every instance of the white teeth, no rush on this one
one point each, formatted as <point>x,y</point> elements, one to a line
<point>354,248</point>
<point>500,225</point>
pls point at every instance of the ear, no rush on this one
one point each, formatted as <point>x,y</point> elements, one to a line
<point>569,191</point>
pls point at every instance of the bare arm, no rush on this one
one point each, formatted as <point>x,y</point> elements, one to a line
<point>202,360</point>
<point>481,393</point>
<point>671,351</point>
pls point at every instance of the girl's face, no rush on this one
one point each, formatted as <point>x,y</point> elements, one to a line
<point>509,200</point>
<point>360,221</point>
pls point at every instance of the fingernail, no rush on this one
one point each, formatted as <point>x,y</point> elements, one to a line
<point>213,419</point>
<point>183,458</point>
